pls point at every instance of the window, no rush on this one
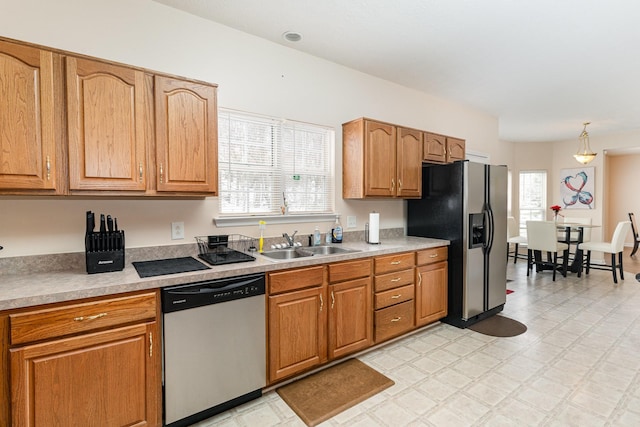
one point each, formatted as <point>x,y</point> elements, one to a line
<point>533,198</point>
<point>264,161</point>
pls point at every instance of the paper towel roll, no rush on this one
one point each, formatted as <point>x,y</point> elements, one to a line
<point>374,227</point>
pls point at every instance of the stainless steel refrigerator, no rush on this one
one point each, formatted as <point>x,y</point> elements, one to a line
<point>466,203</point>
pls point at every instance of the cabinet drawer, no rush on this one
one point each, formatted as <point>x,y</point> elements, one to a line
<point>394,320</point>
<point>291,280</point>
<point>83,317</point>
<point>384,282</point>
<point>432,255</point>
<point>349,270</point>
<point>386,264</point>
<point>394,296</point>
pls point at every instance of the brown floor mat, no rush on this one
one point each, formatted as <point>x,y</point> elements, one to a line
<point>322,395</point>
<point>499,326</point>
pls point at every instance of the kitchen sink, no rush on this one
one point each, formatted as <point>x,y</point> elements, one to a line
<point>307,251</point>
<point>329,250</point>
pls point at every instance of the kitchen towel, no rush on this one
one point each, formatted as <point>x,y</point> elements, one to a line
<point>374,227</point>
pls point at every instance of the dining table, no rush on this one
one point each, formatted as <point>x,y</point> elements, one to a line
<point>573,227</point>
<point>567,228</point>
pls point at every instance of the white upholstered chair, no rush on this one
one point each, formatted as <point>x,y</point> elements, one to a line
<point>614,247</point>
<point>542,237</point>
<point>514,238</point>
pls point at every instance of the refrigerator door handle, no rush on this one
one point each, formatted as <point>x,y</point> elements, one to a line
<point>490,230</point>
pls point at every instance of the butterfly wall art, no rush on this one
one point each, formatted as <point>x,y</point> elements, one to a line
<point>577,188</point>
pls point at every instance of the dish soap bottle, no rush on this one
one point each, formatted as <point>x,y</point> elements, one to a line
<point>316,237</point>
<point>337,231</point>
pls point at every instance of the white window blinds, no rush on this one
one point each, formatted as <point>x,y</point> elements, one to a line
<point>264,160</point>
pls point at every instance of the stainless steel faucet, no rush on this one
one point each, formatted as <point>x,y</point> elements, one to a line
<point>289,239</point>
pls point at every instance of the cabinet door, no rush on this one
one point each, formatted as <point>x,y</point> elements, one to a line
<point>431,293</point>
<point>109,125</point>
<point>434,148</point>
<point>186,136</point>
<point>297,332</point>
<point>350,317</point>
<point>380,159</point>
<point>28,133</point>
<point>107,378</point>
<point>455,149</point>
<point>409,163</point>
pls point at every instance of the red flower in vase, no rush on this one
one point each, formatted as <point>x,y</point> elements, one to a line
<point>556,209</point>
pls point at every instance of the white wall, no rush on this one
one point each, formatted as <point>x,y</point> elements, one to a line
<point>253,75</point>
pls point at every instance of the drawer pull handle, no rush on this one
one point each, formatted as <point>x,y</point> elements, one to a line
<point>396,296</point>
<point>396,262</point>
<point>396,319</point>
<point>433,256</point>
<point>140,172</point>
<point>397,279</point>
<point>94,317</point>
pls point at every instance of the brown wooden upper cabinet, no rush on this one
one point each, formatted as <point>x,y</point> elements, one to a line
<point>186,136</point>
<point>109,121</point>
<point>442,149</point>
<point>30,139</point>
<point>129,131</point>
<point>380,160</point>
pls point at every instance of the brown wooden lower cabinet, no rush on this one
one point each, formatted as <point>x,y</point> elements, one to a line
<point>95,363</point>
<point>431,285</point>
<point>297,331</point>
<point>98,379</point>
<point>431,293</point>
<point>350,324</point>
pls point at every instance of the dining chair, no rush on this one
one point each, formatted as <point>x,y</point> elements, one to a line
<point>614,247</point>
<point>514,237</point>
<point>542,237</point>
<point>634,231</point>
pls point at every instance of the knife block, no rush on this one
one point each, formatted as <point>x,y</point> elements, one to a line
<point>104,252</point>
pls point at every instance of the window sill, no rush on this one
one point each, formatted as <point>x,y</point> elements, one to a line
<point>239,221</point>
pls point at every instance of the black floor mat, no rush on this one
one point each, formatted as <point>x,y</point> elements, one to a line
<point>161,267</point>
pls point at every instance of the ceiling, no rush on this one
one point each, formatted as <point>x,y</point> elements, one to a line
<point>543,67</point>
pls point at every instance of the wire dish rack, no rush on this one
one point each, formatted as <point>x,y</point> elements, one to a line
<point>226,249</point>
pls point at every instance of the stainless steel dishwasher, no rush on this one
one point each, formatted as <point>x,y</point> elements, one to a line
<point>214,347</point>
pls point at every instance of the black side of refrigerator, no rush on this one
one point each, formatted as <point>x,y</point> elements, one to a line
<point>439,214</point>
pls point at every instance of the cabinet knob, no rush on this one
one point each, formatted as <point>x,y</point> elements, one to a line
<point>396,319</point>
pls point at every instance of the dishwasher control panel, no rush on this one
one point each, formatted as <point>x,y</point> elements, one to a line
<point>182,297</point>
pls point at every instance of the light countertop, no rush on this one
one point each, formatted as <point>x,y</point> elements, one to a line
<point>24,290</point>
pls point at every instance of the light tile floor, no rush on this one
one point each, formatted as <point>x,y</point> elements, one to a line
<point>578,364</point>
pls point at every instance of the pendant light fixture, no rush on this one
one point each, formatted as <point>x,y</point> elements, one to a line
<point>584,154</point>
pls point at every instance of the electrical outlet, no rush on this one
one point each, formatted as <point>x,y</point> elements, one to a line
<point>351,222</point>
<point>177,230</point>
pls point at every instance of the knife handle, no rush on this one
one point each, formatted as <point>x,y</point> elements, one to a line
<point>109,224</point>
<point>103,224</point>
<point>91,222</point>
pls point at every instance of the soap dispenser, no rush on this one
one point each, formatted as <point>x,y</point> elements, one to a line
<point>337,231</point>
